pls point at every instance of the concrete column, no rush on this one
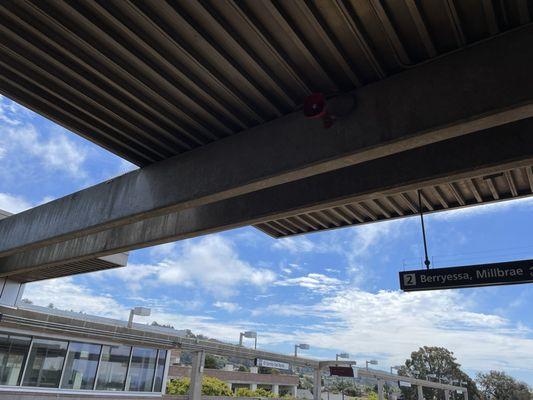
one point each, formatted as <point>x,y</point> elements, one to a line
<point>275,389</point>
<point>420,392</point>
<point>253,386</point>
<point>446,394</point>
<point>380,390</point>
<point>197,373</point>
<point>465,394</point>
<point>294,391</point>
<point>10,292</point>
<point>317,385</point>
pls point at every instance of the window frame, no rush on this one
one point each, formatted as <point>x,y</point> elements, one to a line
<point>69,341</point>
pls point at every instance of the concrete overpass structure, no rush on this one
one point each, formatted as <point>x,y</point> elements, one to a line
<point>206,98</point>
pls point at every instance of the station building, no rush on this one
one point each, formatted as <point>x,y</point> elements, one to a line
<point>53,354</point>
<point>47,353</point>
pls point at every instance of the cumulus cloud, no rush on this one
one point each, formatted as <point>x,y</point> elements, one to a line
<point>20,138</point>
<point>65,294</point>
<point>58,152</point>
<point>13,203</point>
<point>210,263</point>
<point>390,324</point>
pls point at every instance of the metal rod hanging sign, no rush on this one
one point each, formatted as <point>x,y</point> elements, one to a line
<point>504,273</point>
<point>420,210</point>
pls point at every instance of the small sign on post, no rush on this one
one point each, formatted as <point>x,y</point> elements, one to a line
<point>505,273</point>
<point>346,372</point>
<point>271,364</point>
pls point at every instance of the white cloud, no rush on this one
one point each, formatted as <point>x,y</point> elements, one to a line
<point>294,245</point>
<point>58,152</point>
<point>227,306</point>
<point>466,212</point>
<point>210,263</point>
<point>390,324</point>
<point>11,112</point>
<point>316,282</point>
<point>65,294</point>
<point>20,138</point>
<point>13,204</point>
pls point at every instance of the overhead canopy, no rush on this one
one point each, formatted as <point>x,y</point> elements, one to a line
<point>31,273</point>
<point>206,97</point>
<point>148,80</point>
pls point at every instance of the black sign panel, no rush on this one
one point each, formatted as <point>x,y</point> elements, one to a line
<point>341,371</point>
<point>505,273</point>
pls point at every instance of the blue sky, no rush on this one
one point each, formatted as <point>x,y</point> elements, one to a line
<point>337,290</point>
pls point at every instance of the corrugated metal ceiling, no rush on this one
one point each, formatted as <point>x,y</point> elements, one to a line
<point>151,79</point>
<point>507,184</point>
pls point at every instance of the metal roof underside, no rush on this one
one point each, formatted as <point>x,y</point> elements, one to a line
<point>81,267</point>
<point>509,184</point>
<point>151,79</point>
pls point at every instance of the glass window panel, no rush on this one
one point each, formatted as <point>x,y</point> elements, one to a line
<point>13,352</point>
<point>45,363</point>
<point>113,368</point>
<point>80,367</point>
<point>160,370</point>
<point>142,370</point>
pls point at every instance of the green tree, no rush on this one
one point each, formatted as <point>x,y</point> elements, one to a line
<point>496,385</point>
<point>441,363</point>
<point>211,362</point>
<point>210,387</point>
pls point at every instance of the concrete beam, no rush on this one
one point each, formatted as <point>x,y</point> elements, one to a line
<point>477,88</point>
<point>478,154</point>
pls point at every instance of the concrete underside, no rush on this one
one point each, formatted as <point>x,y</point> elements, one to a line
<point>457,128</point>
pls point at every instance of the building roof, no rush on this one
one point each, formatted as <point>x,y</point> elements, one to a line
<point>149,80</point>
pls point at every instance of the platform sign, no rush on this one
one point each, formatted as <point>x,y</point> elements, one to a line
<point>505,273</point>
<point>271,364</point>
<point>345,372</point>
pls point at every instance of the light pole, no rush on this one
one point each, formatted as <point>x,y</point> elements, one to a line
<point>341,355</point>
<point>142,311</point>
<point>373,362</point>
<point>303,346</point>
<point>396,367</point>
<point>250,335</point>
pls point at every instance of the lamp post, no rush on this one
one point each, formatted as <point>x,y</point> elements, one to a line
<point>303,346</point>
<point>373,362</point>
<point>396,367</point>
<point>341,355</point>
<point>142,311</point>
<point>250,335</point>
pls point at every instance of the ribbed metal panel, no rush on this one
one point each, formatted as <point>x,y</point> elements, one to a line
<point>151,79</point>
<point>81,267</point>
<point>505,185</point>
